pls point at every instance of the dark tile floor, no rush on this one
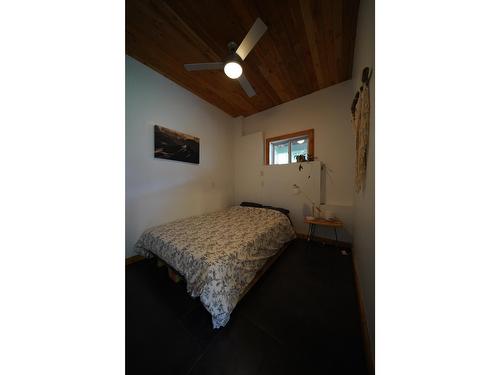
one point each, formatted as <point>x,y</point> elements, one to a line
<point>301,317</point>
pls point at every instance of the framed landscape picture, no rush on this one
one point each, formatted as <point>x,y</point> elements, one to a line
<point>174,145</point>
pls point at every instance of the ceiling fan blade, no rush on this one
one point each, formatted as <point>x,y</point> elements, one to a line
<point>204,66</point>
<point>256,31</point>
<point>246,86</point>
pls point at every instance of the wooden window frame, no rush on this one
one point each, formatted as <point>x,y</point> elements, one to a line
<point>310,142</point>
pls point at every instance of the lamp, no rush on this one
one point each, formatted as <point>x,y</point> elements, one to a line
<point>233,70</point>
<point>296,191</point>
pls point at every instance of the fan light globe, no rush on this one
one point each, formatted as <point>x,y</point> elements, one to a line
<point>233,70</point>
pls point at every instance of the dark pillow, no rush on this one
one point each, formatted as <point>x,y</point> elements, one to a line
<point>253,204</point>
<point>250,204</point>
<point>282,210</point>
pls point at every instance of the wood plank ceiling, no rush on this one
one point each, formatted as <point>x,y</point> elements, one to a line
<point>309,45</point>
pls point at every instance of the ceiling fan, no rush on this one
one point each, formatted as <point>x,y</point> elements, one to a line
<point>232,64</point>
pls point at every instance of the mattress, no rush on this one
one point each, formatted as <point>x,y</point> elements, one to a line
<point>219,253</point>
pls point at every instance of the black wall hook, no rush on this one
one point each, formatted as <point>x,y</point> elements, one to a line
<point>365,79</point>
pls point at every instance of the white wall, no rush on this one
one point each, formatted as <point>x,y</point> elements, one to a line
<point>364,203</point>
<point>327,111</point>
<point>272,185</point>
<point>158,190</point>
<point>248,163</point>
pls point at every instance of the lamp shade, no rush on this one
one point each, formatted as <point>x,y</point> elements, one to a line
<point>233,70</point>
<point>295,189</point>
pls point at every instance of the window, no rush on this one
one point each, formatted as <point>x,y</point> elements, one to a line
<point>286,148</point>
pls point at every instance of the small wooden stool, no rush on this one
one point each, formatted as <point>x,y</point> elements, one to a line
<point>336,223</point>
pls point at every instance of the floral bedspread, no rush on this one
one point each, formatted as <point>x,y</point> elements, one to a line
<point>219,253</point>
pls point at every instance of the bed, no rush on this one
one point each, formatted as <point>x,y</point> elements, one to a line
<point>220,254</point>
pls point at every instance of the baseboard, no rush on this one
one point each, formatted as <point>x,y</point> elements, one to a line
<point>133,259</point>
<point>364,321</point>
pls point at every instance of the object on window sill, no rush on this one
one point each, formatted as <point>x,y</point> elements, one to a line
<point>300,158</point>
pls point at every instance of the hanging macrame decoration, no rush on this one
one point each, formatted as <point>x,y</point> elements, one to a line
<point>360,110</point>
